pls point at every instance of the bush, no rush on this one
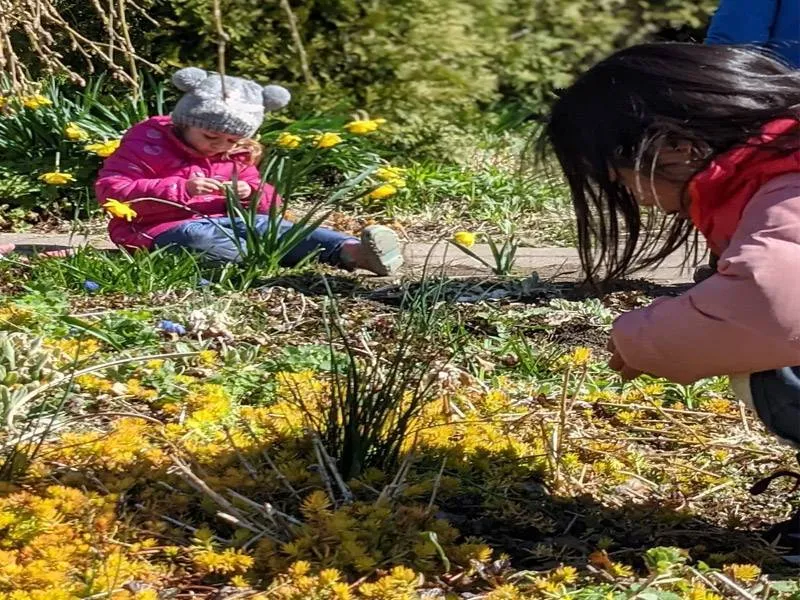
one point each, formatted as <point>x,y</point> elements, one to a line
<point>52,145</point>
<point>432,65</point>
<point>66,131</point>
<point>423,62</point>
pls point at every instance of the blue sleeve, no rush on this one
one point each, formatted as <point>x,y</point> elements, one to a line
<point>742,22</point>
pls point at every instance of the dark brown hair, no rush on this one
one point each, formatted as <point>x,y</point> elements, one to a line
<point>620,112</point>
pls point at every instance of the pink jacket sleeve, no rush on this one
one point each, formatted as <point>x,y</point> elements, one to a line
<point>131,174</point>
<point>744,319</point>
<point>128,174</point>
<point>268,196</point>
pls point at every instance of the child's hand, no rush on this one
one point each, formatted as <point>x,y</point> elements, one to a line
<point>617,363</point>
<point>243,189</point>
<point>200,186</point>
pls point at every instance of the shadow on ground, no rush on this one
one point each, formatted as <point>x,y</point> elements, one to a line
<point>529,290</point>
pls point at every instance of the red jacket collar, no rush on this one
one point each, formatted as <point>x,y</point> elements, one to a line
<point>720,193</point>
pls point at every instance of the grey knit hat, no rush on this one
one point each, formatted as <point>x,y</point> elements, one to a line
<point>239,113</point>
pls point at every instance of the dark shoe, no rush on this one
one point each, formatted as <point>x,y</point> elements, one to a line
<point>786,534</point>
<point>705,271</point>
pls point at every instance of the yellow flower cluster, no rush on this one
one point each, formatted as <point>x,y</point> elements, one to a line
<point>393,175</point>
<point>701,592</point>
<point>75,133</point>
<point>361,536</point>
<point>208,406</point>
<point>474,436</point>
<point>13,317</point>
<point>393,179</point>
<point>743,573</point>
<point>54,542</point>
<point>464,238</point>
<point>227,562</point>
<point>508,591</point>
<point>719,406</point>
<point>327,140</point>
<point>103,149</point>
<point>72,350</point>
<point>56,178</point>
<point>36,101</point>
<point>119,210</point>
<point>355,538</point>
<point>580,357</point>
<point>135,388</point>
<point>289,140</point>
<point>94,384</point>
<point>387,190</point>
<point>400,584</point>
<point>364,126</point>
<point>128,447</point>
<point>207,358</point>
<point>298,583</point>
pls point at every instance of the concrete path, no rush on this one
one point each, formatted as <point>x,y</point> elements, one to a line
<point>548,262</point>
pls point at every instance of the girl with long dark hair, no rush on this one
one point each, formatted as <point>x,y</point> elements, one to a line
<point>709,138</point>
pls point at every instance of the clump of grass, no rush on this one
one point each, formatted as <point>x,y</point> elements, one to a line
<point>379,387</point>
<point>97,271</point>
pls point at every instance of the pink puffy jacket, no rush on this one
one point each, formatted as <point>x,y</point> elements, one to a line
<point>746,318</point>
<point>152,162</point>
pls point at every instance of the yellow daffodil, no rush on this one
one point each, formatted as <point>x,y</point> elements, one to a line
<point>580,356</point>
<point>75,133</point>
<point>564,575</point>
<point>120,210</point>
<point>56,178</point>
<point>392,175</point>
<point>389,173</point>
<point>745,573</point>
<point>362,127</point>
<point>36,102</point>
<point>385,191</point>
<point>464,238</point>
<point>327,140</point>
<point>103,149</point>
<point>289,140</point>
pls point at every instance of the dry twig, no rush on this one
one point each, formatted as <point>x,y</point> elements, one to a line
<point>47,33</point>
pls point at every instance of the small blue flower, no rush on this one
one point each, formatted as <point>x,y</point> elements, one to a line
<point>168,326</point>
<point>91,286</point>
<point>203,283</point>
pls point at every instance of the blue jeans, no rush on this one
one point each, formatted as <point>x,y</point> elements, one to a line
<point>776,399</point>
<point>214,237</point>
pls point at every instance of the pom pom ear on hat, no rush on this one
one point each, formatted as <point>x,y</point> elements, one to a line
<point>275,97</point>
<point>189,78</point>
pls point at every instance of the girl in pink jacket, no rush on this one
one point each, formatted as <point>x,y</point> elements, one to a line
<point>189,157</point>
<point>710,135</point>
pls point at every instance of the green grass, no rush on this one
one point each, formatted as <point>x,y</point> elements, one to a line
<point>97,271</point>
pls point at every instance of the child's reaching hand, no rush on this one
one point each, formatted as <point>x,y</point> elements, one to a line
<point>243,189</point>
<point>617,363</point>
<point>201,186</point>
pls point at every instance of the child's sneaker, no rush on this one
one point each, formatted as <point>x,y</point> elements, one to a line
<point>381,251</point>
